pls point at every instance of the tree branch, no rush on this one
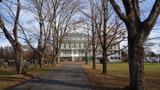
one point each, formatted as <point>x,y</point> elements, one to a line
<point>150,21</point>
<point>118,11</point>
<point>16,21</point>
<point>135,5</point>
<point>8,36</point>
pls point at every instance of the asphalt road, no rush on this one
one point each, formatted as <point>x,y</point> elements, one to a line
<point>69,77</point>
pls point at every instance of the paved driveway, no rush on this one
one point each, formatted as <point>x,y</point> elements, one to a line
<point>70,77</point>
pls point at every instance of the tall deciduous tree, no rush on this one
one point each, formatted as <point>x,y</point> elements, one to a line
<point>89,28</point>
<point>138,32</point>
<point>86,26</point>
<point>38,8</point>
<point>93,30</point>
<point>44,27</point>
<point>109,33</point>
<point>14,39</point>
<point>62,16</point>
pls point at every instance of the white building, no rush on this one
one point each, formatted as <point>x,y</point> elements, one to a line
<point>74,46</point>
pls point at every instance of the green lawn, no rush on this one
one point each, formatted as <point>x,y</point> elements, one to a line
<point>118,75</point>
<point>151,69</point>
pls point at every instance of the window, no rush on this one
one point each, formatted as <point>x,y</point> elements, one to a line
<point>82,52</point>
<point>73,38</point>
<point>82,45</point>
<point>77,45</point>
<point>77,38</point>
<point>62,46</point>
<point>72,45</point>
<point>67,52</point>
<point>62,52</point>
<point>67,45</point>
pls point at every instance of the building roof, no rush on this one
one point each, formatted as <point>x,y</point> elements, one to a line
<point>76,35</point>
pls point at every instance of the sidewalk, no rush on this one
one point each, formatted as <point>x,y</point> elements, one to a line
<point>70,77</point>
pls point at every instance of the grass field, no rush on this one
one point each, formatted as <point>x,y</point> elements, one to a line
<point>118,76</point>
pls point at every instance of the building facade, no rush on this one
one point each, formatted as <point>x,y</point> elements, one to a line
<point>74,46</point>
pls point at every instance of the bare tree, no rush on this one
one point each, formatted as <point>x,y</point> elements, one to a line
<point>44,28</point>
<point>103,43</point>
<point>138,32</point>
<point>62,14</point>
<point>14,39</point>
<point>93,35</point>
<point>54,22</point>
<point>38,8</point>
<point>109,33</point>
<point>87,28</point>
<point>91,27</point>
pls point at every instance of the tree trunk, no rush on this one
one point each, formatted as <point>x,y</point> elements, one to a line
<point>104,46</point>
<point>93,47</point>
<point>53,57</point>
<point>52,61</point>
<point>58,59</point>
<point>86,53</point>
<point>93,58</point>
<point>136,62</point>
<point>19,59</point>
<point>57,56</point>
<point>40,61</point>
<point>105,58</point>
<point>86,57</point>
